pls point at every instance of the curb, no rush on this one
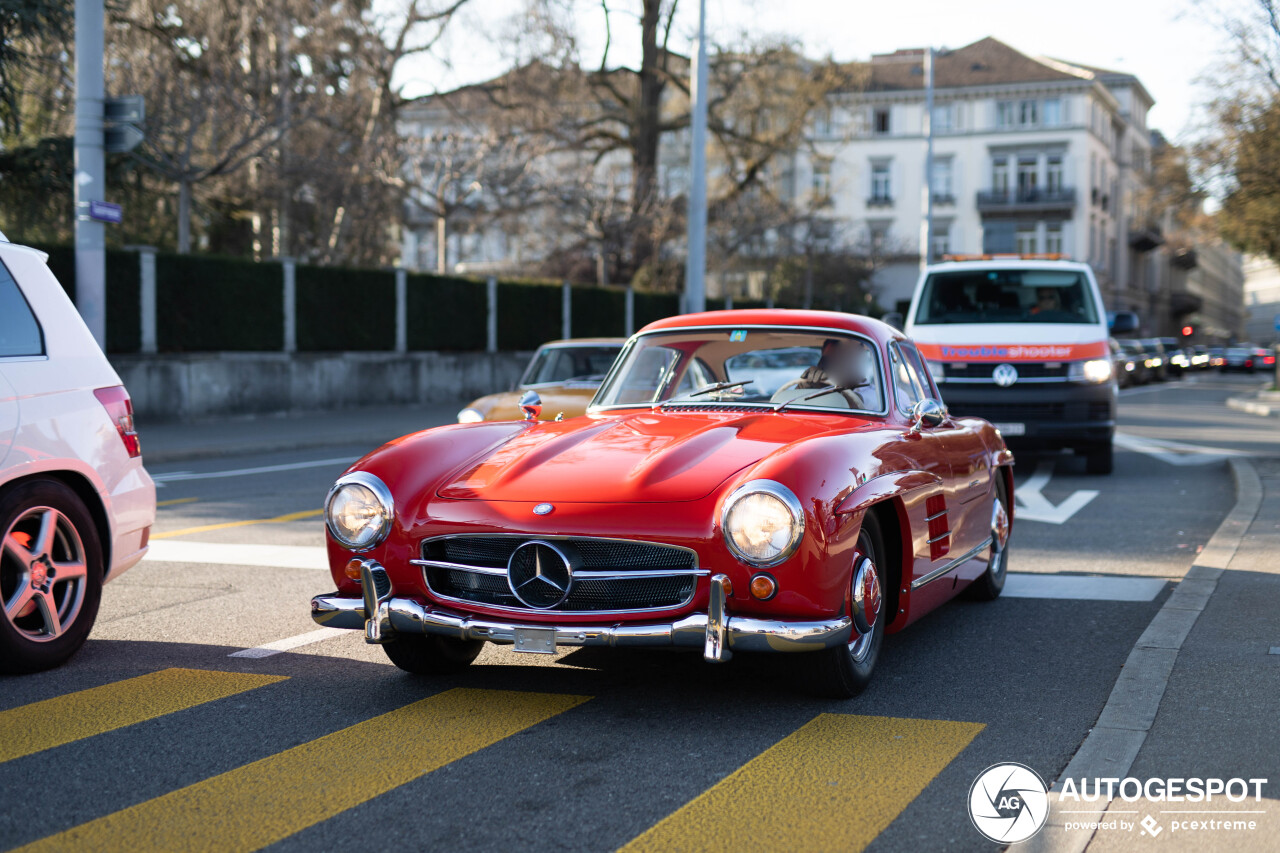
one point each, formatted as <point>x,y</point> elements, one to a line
<point>1112,745</point>
<point>1253,407</point>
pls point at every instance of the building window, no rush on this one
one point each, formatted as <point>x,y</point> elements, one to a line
<point>1000,175</point>
<point>822,179</point>
<point>1028,176</point>
<point>1025,239</point>
<point>881,189</point>
<point>942,119</point>
<point>940,185</point>
<point>880,120</point>
<point>941,239</point>
<point>1028,113</point>
<point>1053,238</point>
<point>823,125</point>
<point>1053,175</point>
<point>1052,112</point>
<point>1006,115</point>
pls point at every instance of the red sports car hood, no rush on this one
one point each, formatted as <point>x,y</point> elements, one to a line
<point>630,458</point>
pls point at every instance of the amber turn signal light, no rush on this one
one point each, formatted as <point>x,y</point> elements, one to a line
<point>353,570</point>
<point>763,587</point>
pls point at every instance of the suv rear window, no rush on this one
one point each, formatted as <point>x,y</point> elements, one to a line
<point>1006,296</point>
<point>19,331</point>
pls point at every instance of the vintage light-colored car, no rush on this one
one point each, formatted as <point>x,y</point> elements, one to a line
<point>751,480</point>
<point>565,374</point>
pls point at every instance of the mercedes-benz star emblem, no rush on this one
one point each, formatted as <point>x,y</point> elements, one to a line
<point>1005,375</point>
<point>540,574</point>
<point>543,509</point>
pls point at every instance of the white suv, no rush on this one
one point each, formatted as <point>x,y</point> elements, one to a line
<point>76,505</point>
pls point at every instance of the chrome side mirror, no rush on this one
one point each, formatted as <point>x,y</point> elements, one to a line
<point>531,405</point>
<point>927,413</point>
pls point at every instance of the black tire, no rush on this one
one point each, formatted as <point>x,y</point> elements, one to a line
<point>990,583</point>
<point>1100,459</point>
<point>431,655</point>
<point>28,641</point>
<point>836,673</point>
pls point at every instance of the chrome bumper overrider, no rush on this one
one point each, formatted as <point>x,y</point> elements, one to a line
<point>715,631</point>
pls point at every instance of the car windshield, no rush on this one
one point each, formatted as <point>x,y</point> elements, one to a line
<point>740,367</point>
<point>1006,296</point>
<point>562,363</point>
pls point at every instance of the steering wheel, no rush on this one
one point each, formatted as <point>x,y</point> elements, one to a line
<point>786,386</point>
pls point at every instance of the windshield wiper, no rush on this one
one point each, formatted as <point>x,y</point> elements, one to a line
<point>708,389</point>
<point>829,389</point>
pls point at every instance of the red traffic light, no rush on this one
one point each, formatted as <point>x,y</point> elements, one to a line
<point>1186,331</point>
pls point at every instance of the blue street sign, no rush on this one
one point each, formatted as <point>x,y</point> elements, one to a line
<point>1278,322</point>
<point>105,211</point>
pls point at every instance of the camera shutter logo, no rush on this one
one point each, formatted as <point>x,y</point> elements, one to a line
<point>1008,803</point>
<point>1004,375</point>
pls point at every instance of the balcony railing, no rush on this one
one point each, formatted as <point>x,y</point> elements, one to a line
<point>1025,200</point>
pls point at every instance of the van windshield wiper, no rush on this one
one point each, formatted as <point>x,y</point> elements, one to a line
<point>829,389</point>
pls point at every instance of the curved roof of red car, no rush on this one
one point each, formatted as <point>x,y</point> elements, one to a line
<point>779,317</point>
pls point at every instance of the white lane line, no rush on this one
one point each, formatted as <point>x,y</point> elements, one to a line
<point>289,643</point>
<point>1081,587</point>
<point>1030,505</point>
<point>222,553</point>
<point>175,476</point>
<point>1174,452</point>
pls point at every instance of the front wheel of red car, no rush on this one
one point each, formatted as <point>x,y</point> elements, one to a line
<point>50,576</point>
<point>430,655</point>
<point>990,584</point>
<point>845,671</point>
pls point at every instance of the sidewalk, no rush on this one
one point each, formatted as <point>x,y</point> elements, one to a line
<point>179,442</point>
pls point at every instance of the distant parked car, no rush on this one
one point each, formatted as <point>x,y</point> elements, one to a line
<point>76,505</point>
<point>565,374</point>
<point>1154,359</point>
<point>1217,357</point>
<point>1176,360</point>
<point>1135,365</point>
<point>1241,357</point>
<point>1264,358</point>
<point>1200,357</point>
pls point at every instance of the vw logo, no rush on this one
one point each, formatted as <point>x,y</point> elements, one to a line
<point>1005,375</point>
<point>540,574</point>
<point>543,509</point>
<point>1008,803</point>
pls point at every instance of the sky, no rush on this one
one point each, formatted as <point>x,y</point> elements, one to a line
<point>1168,44</point>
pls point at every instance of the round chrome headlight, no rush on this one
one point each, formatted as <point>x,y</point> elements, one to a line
<point>359,510</point>
<point>762,523</point>
<point>470,416</point>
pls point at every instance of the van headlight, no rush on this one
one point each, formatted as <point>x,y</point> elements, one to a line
<point>762,523</point>
<point>359,510</point>
<point>1095,371</point>
<point>938,370</point>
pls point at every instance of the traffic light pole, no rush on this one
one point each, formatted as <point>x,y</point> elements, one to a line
<point>90,169</point>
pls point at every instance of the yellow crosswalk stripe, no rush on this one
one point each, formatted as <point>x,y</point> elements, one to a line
<point>224,525</point>
<point>261,803</point>
<point>833,784</point>
<point>75,716</point>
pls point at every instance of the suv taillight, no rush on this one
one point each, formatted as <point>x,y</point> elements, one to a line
<point>120,409</point>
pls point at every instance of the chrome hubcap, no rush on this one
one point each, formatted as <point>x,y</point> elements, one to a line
<point>999,537</point>
<point>865,601</point>
<point>42,574</point>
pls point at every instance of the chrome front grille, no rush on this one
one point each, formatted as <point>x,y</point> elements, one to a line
<point>609,575</point>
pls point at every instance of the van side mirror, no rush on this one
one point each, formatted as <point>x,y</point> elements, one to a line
<point>895,319</point>
<point>1124,323</point>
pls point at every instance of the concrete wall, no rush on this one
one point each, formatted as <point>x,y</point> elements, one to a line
<point>214,385</point>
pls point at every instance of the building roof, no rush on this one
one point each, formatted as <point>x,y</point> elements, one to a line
<point>986,62</point>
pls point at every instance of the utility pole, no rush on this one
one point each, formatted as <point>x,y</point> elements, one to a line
<point>90,169</point>
<point>926,224</point>
<point>695,268</point>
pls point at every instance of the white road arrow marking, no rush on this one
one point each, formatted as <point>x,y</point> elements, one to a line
<point>1174,452</point>
<point>1033,506</point>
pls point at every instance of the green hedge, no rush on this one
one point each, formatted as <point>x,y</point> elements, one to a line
<point>345,309</point>
<point>207,303</point>
<point>445,313</point>
<point>528,315</point>
<point>124,320</point>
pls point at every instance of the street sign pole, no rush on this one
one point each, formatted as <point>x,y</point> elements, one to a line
<point>695,269</point>
<point>90,169</point>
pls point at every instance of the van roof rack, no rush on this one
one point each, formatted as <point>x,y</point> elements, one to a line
<point>1010,256</point>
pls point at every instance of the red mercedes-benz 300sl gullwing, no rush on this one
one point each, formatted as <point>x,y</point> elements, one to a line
<point>752,480</point>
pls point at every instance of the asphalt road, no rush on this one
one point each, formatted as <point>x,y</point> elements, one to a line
<point>591,750</point>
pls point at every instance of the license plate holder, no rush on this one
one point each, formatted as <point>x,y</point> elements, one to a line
<point>535,641</point>
<point>1011,429</point>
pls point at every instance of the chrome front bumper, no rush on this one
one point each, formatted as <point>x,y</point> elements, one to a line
<point>715,631</point>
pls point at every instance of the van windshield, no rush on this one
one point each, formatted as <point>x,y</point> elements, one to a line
<point>1006,296</point>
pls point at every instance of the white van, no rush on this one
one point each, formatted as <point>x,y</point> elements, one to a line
<point>1024,343</point>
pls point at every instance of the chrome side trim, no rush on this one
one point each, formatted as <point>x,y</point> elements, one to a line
<point>461,567</point>
<point>939,537</point>
<point>937,573</point>
<point>935,515</point>
<point>740,633</point>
